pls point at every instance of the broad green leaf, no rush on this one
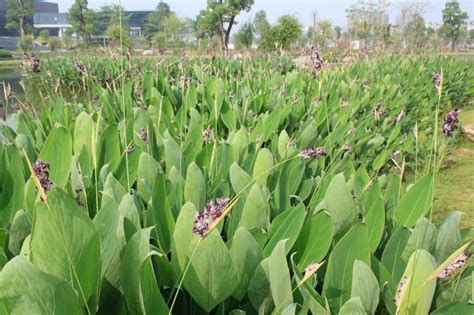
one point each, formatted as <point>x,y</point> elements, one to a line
<point>107,221</point>
<point>423,236</point>
<point>66,244</point>
<point>286,226</point>
<point>12,193</point>
<point>365,286</point>
<point>212,276</point>
<point>449,237</point>
<point>457,291</point>
<point>375,220</point>
<point>246,255</point>
<point>255,213</point>
<point>57,151</point>
<point>259,292</point>
<point>354,245</point>
<point>19,230</point>
<point>391,257</point>
<point>195,186</point>
<point>416,202</point>
<point>26,290</point>
<point>183,236</point>
<point>314,241</point>
<point>279,276</point>
<point>262,166</point>
<point>148,167</point>
<point>417,295</point>
<point>459,307</point>
<point>340,204</point>
<point>160,214</point>
<point>141,293</point>
<point>83,133</point>
<point>353,307</point>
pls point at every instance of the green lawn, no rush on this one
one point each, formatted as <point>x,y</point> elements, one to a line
<point>455,183</point>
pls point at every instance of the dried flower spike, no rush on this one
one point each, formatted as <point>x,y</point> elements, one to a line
<point>437,81</point>
<point>401,287</point>
<point>310,153</point>
<point>80,68</point>
<point>207,135</point>
<point>213,210</point>
<point>454,266</point>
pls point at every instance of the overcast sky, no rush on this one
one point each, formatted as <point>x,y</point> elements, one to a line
<point>333,10</point>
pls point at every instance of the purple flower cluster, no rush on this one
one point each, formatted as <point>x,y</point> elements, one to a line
<point>80,68</point>
<point>310,153</point>
<point>455,265</point>
<point>451,122</point>
<point>144,135</point>
<point>41,170</point>
<point>401,287</point>
<point>437,80</point>
<point>207,135</point>
<point>35,63</point>
<point>316,60</point>
<point>310,268</point>
<point>130,149</point>
<point>395,154</point>
<point>378,111</point>
<point>212,211</point>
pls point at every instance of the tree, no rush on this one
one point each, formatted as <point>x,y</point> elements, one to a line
<point>283,34</point>
<point>83,20</point>
<point>416,33</point>
<point>155,20</point>
<point>220,16</point>
<point>323,33</point>
<point>368,20</point>
<point>244,37</point>
<point>338,31</point>
<point>18,12</point>
<point>454,20</point>
<point>117,20</point>
<point>260,23</point>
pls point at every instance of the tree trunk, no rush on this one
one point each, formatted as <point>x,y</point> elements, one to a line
<point>21,26</point>
<point>85,39</point>
<point>227,34</point>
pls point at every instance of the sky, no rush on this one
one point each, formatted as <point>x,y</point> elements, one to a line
<point>333,10</point>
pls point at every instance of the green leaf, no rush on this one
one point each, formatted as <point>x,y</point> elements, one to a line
<point>19,230</point>
<point>354,245</point>
<point>460,307</point>
<point>391,257</point>
<point>107,221</point>
<point>66,244</point>
<point>255,213</point>
<point>286,226</point>
<point>57,151</point>
<point>263,164</point>
<point>375,220</point>
<point>183,236</point>
<point>416,202</point>
<point>246,255</point>
<point>160,214</point>
<point>417,294</point>
<point>279,276</point>
<point>148,167</point>
<point>449,237</point>
<point>365,286</point>
<point>12,192</point>
<point>353,307</point>
<point>83,133</point>
<point>339,203</point>
<point>259,293</point>
<point>137,278</point>
<point>314,241</point>
<point>26,290</point>
<point>212,276</point>
<point>423,236</point>
<point>195,186</point>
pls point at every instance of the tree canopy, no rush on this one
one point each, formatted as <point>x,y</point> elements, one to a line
<point>454,21</point>
<point>82,19</point>
<point>18,12</point>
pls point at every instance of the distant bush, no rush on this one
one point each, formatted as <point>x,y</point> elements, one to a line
<point>54,43</point>
<point>5,54</point>
<point>26,43</point>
